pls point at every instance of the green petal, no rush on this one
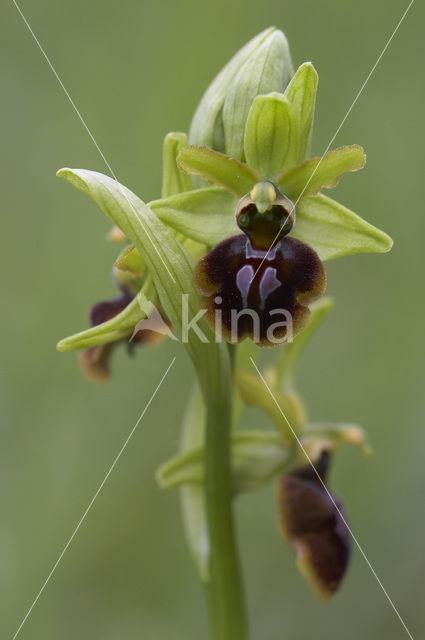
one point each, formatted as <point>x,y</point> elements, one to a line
<point>173,180</point>
<point>114,329</point>
<point>204,215</point>
<point>334,231</point>
<point>272,133</point>
<point>207,124</point>
<point>257,457</point>
<point>218,169</point>
<point>308,178</point>
<point>268,69</point>
<point>301,92</point>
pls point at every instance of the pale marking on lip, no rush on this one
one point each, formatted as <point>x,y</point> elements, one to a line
<point>243,281</point>
<point>268,284</point>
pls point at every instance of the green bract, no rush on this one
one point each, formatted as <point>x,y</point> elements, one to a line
<point>111,331</point>
<point>168,263</point>
<point>257,457</point>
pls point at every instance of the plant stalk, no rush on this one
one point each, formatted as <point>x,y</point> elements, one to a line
<point>227,614</point>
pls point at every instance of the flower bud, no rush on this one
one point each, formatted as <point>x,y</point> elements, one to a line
<point>268,69</point>
<point>262,65</point>
<point>310,519</point>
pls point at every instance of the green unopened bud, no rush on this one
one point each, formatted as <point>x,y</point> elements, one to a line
<point>268,69</point>
<point>207,124</point>
<point>130,260</point>
<point>262,65</point>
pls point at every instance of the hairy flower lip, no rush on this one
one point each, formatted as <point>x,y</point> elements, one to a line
<point>289,278</point>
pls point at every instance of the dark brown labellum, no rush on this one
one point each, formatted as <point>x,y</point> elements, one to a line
<point>310,519</point>
<point>259,284</point>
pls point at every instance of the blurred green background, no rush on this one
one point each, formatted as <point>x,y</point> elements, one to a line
<point>137,70</point>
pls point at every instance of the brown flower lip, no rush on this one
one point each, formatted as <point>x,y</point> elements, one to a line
<point>311,521</point>
<point>95,361</point>
<point>262,271</point>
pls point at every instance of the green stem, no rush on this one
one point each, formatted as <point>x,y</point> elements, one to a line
<point>225,594</point>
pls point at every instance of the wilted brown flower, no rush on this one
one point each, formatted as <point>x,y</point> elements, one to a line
<point>311,521</point>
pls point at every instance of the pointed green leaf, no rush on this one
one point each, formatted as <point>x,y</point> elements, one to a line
<point>117,328</point>
<point>301,92</point>
<point>308,178</point>
<point>205,215</point>
<point>257,457</point>
<point>207,124</point>
<point>272,133</point>
<point>170,267</point>
<point>268,69</point>
<point>173,179</point>
<point>334,231</point>
<point>290,353</point>
<point>218,169</point>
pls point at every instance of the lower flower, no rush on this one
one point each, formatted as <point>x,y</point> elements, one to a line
<point>313,522</point>
<point>95,361</point>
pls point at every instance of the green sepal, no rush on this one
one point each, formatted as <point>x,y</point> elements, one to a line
<point>218,169</point>
<point>268,69</point>
<point>207,123</point>
<point>333,231</point>
<point>130,260</point>
<point>308,178</point>
<point>301,92</point>
<point>117,328</point>
<point>257,457</point>
<point>323,436</point>
<point>204,215</point>
<point>272,134</point>
<point>173,180</point>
